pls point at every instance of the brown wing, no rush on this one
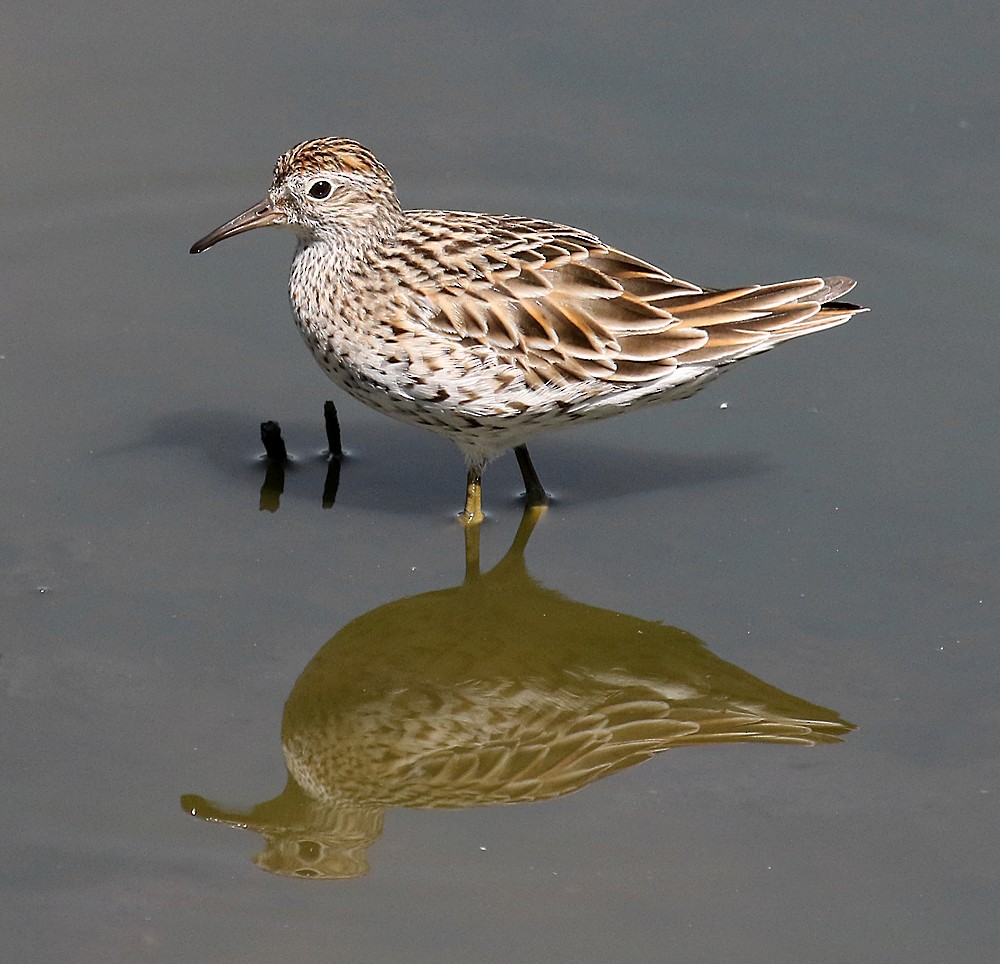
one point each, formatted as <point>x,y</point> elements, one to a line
<point>558,749</point>
<point>565,307</point>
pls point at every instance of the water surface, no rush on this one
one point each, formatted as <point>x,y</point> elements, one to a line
<point>829,535</point>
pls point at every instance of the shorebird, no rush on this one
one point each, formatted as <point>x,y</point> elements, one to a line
<point>491,329</point>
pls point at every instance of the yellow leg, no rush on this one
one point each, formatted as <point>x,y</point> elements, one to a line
<point>473,513</point>
<point>472,572</point>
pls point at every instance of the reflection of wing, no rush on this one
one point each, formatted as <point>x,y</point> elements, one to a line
<point>564,307</point>
<point>561,751</point>
<point>501,690</point>
<point>498,690</point>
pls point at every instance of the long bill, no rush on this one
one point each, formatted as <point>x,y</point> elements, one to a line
<point>258,216</point>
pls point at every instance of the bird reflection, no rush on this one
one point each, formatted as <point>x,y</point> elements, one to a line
<point>495,691</point>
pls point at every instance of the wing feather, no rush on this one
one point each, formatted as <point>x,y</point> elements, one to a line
<point>564,308</point>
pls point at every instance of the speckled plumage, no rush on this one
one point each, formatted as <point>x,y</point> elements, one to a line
<point>490,329</point>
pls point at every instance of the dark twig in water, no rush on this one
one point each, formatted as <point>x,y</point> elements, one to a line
<point>274,444</point>
<point>332,430</point>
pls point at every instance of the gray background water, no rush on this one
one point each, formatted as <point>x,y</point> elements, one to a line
<point>832,530</point>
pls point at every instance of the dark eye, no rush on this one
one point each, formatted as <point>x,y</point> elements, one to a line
<point>321,190</point>
<point>309,849</point>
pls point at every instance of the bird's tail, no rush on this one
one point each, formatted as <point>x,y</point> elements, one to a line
<point>744,321</point>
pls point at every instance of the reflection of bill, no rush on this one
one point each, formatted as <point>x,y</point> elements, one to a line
<point>495,691</point>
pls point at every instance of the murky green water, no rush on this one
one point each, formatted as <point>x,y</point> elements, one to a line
<point>820,550</point>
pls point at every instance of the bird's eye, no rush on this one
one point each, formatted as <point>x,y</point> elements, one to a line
<point>321,190</point>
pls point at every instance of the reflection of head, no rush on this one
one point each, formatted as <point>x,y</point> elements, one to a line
<point>300,854</point>
<point>333,848</point>
<point>330,846</point>
<point>304,838</point>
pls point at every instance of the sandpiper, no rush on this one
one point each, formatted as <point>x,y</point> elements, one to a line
<point>491,329</point>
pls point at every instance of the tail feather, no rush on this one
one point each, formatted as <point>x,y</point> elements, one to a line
<point>745,321</point>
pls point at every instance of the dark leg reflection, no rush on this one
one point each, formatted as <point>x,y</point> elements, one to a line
<point>498,690</point>
<point>332,483</point>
